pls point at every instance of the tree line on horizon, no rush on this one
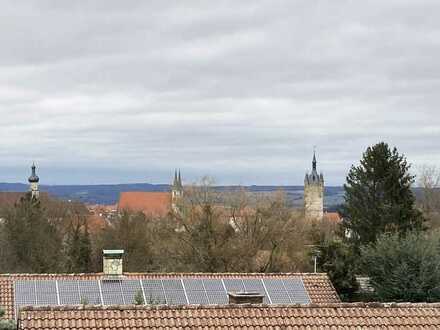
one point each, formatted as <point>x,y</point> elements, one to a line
<point>386,234</point>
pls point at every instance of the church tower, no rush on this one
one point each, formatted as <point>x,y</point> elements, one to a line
<point>33,184</point>
<point>176,190</point>
<point>314,193</point>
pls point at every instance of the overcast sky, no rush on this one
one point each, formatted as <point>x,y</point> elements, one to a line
<point>126,91</point>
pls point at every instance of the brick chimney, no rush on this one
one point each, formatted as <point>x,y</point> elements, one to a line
<point>245,297</point>
<point>112,262</point>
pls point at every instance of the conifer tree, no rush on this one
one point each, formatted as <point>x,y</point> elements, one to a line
<point>33,242</point>
<point>78,248</point>
<point>378,196</point>
<point>404,268</point>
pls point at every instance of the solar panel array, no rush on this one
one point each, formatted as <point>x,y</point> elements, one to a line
<point>177,291</point>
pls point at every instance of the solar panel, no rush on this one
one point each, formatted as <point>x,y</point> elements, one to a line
<point>154,293</point>
<point>112,292</point>
<point>155,298</point>
<point>212,284</point>
<point>174,292</point>
<point>177,297</point>
<point>47,299</point>
<point>233,284</point>
<point>130,288</point>
<point>197,297</point>
<point>296,290</point>
<point>276,291</point>
<point>274,284</point>
<point>193,284</point>
<point>170,291</point>
<point>69,292</point>
<point>195,291</point>
<point>279,297</point>
<point>254,284</point>
<point>25,293</point>
<point>46,292</point>
<point>89,292</point>
<point>152,284</point>
<point>217,297</point>
<point>170,285</point>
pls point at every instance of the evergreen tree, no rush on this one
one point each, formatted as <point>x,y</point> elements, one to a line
<point>338,261</point>
<point>378,196</point>
<point>32,240</point>
<point>78,249</point>
<point>404,268</point>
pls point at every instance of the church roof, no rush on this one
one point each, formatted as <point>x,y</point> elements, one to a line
<point>149,203</point>
<point>314,177</point>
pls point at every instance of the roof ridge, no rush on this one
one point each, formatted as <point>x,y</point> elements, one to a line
<point>230,306</point>
<point>8,275</point>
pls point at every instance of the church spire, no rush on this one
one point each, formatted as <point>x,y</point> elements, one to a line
<point>175,183</point>
<point>176,191</point>
<point>314,160</point>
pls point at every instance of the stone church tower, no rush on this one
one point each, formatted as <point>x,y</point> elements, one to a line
<point>314,194</point>
<point>33,183</point>
<point>176,191</point>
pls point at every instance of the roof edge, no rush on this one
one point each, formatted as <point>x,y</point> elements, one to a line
<point>230,306</point>
<point>12,275</point>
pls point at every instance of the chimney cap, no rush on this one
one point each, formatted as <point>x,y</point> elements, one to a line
<point>249,297</point>
<point>245,294</point>
<point>112,252</point>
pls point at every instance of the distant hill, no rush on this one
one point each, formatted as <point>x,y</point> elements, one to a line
<point>109,193</point>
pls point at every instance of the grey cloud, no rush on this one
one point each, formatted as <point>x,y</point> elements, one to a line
<point>238,90</point>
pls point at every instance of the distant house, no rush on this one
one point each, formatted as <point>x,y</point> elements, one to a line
<point>333,217</point>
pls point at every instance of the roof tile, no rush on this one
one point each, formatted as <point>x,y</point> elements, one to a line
<point>327,316</point>
<point>150,203</point>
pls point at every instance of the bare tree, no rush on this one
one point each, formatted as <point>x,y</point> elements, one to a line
<point>429,182</point>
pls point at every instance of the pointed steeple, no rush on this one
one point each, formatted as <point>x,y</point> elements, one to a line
<point>314,160</point>
<point>176,191</point>
<point>175,183</point>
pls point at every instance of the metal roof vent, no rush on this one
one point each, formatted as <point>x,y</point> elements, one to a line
<point>112,262</point>
<point>245,297</point>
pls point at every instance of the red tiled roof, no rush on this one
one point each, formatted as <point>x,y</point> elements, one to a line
<point>150,203</point>
<point>95,223</point>
<point>9,198</point>
<point>318,286</point>
<point>332,216</point>
<point>331,316</point>
<point>7,296</point>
